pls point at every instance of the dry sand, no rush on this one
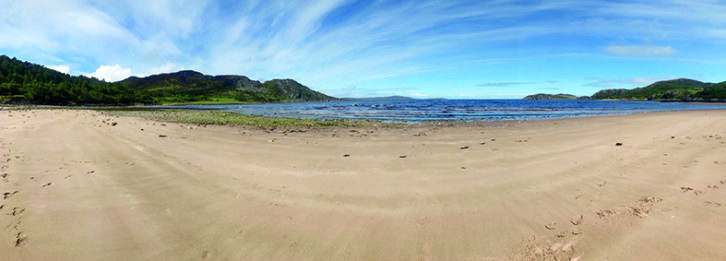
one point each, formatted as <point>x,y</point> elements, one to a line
<point>77,188</point>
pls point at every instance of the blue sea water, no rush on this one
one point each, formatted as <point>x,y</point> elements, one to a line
<point>455,110</point>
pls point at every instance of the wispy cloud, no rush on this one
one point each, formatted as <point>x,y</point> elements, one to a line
<point>640,50</point>
<point>332,45</point>
<point>506,84</point>
<point>626,83</point>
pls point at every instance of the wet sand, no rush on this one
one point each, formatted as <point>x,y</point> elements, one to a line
<point>76,186</point>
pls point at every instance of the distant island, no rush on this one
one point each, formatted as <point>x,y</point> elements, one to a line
<point>386,98</point>
<point>561,96</point>
<point>685,90</point>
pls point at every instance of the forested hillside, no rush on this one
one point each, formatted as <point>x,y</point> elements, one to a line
<point>27,83</point>
<point>24,82</point>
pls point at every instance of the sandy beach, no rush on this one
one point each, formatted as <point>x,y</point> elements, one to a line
<point>80,185</point>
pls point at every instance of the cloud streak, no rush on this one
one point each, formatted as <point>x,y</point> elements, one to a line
<point>639,50</point>
<point>332,45</point>
<point>507,84</point>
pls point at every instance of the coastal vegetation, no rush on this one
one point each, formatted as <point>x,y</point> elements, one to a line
<point>233,119</point>
<point>686,90</point>
<point>24,82</point>
<point>194,87</point>
<point>678,89</point>
<point>27,83</point>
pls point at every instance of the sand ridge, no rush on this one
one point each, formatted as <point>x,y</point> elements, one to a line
<point>81,185</point>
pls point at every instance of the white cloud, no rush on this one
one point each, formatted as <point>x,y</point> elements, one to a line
<point>627,83</point>
<point>111,73</point>
<point>332,44</point>
<point>640,50</point>
<point>61,68</point>
<point>166,68</point>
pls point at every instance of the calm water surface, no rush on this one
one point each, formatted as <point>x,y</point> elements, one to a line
<point>455,110</point>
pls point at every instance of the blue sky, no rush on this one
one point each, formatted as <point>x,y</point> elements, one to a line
<point>451,49</point>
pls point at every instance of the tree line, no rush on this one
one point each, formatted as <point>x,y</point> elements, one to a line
<point>24,82</point>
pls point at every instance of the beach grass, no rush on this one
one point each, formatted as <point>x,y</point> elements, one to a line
<point>233,119</point>
<point>208,101</point>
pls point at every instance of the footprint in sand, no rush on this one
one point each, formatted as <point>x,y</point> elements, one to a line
<point>551,226</point>
<point>712,187</point>
<point>7,195</point>
<point>712,204</point>
<point>17,211</point>
<point>606,213</point>
<point>20,239</point>
<point>576,220</point>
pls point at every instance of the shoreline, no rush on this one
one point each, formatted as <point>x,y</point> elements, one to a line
<point>95,186</point>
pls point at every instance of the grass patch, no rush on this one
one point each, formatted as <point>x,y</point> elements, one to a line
<point>234,119</point>
<point>210,100</point>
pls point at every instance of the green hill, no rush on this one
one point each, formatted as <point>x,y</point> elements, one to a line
<point>28,83</point>
<point>678,89</point>
<point>716,92</point>
<point>191,86</point>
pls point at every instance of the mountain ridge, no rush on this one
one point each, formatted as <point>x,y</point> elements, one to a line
<point>680,89</point>
<point>188,85</point>
<point>29,83</point>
